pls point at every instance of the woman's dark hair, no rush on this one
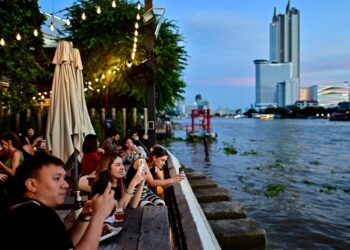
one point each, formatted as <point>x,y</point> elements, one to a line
<point>11,136</point>
<point>124,141</point>
<point>90,143</point>
<point>156,151</point>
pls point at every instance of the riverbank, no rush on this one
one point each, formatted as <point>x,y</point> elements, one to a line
<point>288,174</point>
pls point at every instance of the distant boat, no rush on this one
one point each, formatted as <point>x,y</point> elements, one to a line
<point>338,116</point>
<point>263,116</point>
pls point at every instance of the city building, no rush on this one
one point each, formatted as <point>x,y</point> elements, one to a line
<point>329,95</point>
<point>278,80</point>
<point>305,94</point>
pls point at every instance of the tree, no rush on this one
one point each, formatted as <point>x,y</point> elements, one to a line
<point>106,40</point>
<point>21,61</point>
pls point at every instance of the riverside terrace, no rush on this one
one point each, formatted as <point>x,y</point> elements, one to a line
<point>214,223</point>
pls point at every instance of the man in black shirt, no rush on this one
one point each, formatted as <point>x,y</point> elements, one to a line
<point>34,224</point>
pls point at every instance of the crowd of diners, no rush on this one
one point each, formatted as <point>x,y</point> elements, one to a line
<point>119,173</point>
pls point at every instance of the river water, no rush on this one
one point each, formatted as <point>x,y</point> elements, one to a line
<point>308,161</point>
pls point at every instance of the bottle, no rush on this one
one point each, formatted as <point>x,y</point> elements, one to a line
<point>78,204</point>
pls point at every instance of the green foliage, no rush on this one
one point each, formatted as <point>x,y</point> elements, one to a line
<point>105,42</point>
<point>21,61</point>
<point>274,190</point>
<point>315,162</point>
<point>230,150</point>
<point>328,189</point>
<point>251,152</point>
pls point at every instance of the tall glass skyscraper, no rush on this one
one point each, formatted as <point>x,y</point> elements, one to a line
<point>284,49</point>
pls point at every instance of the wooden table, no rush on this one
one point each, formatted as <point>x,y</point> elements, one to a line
<point>143,228</point>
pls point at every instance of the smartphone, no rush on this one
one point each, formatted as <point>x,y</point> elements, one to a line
<point>141,166</point>
<point>181,171</point>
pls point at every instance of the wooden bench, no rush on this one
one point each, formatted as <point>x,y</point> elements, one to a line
<point>143,228</point>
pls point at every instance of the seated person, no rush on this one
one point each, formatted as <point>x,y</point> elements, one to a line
<point>34,224</point>
<point>115,174</point>
<point>131,153</point>
<point>90,161</point>
<point>142,142</point>
<point>31,139</point>
<point>154,163</point>
<point>113,143</point>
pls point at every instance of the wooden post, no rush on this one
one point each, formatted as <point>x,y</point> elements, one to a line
<point>92,113</point>
<point>145,120</point>
<point>134,117</point>
<point>124,121</point>
<point>18,119</point>
<point>28,114</point>
<point>114,117</point>
<point>40,122</point>
<point>1,115</point>
<point>102,122</point>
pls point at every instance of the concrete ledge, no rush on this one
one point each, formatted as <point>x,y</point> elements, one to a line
<point>203,183</point>
<point>224,210</point>
<point>239,234</point>
<point>194,175</point>
<point>212,194</point>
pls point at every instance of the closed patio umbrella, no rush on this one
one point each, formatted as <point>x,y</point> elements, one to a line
<point>68,120</point>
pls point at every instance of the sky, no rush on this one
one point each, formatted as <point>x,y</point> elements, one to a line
<point>224,37</point>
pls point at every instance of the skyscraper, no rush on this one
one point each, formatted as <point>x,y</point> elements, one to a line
<point>284,49</point>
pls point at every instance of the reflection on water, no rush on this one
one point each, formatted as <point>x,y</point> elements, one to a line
<point>309,158</point>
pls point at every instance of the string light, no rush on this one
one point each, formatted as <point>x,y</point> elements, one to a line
<point>83,16</point>
<point>138,17</point>
<point>114,4</point>
<point>18,37</point>
<point>98,10</point>
<point>136,25</point>
<point>2,42</point>
<point>68,22</point>
<point>138,5</point>
<point>35,32</point>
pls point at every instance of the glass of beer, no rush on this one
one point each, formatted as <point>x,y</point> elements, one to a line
<point>119,215</point>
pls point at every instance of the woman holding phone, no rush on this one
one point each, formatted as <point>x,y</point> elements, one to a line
<point>153,166</point>
<point>115,174</point>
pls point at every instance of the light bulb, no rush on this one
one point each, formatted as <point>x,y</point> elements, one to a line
<point>96,79</point>
<point>114,4</point>
<point>68,22</point>
<point>35,32</point>
<point>136,25</point>
<point>98,10</point>
<point>18,36</point>
<point>52,28</point>
<point>2,42</point>
<point>133,55</point>
<point>136,33</point>
<point>103,76</point>
<point>83,16</point>
<point>138,16</point>
<point>138,6</point>
<point>135,39</point>
<point>135,45</point>
<point>129,64</point>
<point>134,50</point>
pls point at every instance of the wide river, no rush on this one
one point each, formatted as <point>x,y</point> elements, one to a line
<point>292,176</point>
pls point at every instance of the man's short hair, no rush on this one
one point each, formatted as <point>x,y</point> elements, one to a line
<point>31,168</point>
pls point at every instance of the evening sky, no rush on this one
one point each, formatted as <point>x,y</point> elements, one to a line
<point>223,38</point>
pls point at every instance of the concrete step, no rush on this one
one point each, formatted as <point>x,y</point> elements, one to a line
<point>203,183</point>
<point>195,175</point>
<point>239,234</point>
<point>223,210</point>
<point>212,194</point>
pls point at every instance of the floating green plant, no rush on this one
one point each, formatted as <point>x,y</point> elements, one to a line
<point>315,162</point>
<point>274,190</point>
<point>242,178</point>
<point>347,190</point>
<point>277,164</point>
<point>308,182</point>
<point>230,150</point>
<point>251,152</point>
<point>328,189</point>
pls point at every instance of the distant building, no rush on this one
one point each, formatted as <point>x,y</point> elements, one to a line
<point>305,94</point>
<point>304,104</point>
<point>278,80</point>
<point>198,104</point>
<point>329,95</point>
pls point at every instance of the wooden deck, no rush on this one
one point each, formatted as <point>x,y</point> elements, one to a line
<point>143,228</point>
